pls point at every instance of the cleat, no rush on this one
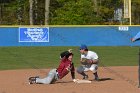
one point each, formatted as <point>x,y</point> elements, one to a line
<point>97,79</point>
<point>32,80</point>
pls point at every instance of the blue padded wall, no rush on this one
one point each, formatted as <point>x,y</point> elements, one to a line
<point>75,36</point>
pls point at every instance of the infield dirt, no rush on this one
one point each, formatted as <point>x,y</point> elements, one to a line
<point>122,79</point>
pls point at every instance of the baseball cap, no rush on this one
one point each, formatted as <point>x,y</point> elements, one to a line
<point>83,46</point>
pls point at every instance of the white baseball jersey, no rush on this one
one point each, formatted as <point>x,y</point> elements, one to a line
<point>90,55</point>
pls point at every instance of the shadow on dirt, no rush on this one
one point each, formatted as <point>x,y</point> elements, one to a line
<point>64,82</point>
<point>105,79</point>
<point>101,79</point>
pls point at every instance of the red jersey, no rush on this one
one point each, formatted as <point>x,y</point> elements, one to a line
<point>65,67</point>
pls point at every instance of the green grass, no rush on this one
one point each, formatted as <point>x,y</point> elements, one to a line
<point>48,57</point>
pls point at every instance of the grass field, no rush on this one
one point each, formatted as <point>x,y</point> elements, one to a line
<point>48,57</point>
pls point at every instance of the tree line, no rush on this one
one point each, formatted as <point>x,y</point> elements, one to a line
<point>66,12</point>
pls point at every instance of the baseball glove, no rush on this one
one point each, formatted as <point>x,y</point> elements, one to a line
<point>84,61</point>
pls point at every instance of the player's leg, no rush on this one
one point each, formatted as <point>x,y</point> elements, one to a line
<point>81,70</point>
<point>49,79</point>
<point>94,68</point>
<point>96,76</point>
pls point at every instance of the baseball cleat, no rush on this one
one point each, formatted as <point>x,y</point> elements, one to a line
<point>97,79</point>
<point>32,80</point>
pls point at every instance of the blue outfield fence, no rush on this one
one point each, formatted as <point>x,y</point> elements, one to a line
<point>69,36</point>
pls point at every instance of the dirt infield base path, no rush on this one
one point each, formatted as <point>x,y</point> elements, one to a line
<point>112,80</point>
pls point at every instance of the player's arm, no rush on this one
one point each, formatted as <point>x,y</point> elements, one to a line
<point>136,37</point>
<point>94,59</point>
<point>73,74</point>
<point>73,71</point>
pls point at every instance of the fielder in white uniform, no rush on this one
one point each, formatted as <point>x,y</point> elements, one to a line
<point>89,61</point>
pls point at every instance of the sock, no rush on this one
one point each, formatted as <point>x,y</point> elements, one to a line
<point>95,74</point>
<point>83,74</point>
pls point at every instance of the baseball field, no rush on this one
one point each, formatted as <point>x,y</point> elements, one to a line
<point>118,70</point>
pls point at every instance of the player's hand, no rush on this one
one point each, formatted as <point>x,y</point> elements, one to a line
<point>70,50</point>
<point>75,80</point>
<point>89,61</point>
<point>85,61</point>
<point>132,40</point>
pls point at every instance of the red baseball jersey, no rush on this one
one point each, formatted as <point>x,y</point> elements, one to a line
<point>65,67</point>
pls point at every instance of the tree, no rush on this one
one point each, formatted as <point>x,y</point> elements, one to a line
<point>135,12</point>
<point>47,3</point>
<point>20,10</point>
<point>74,12</point>
<point>5,1</point>
<point>31,12</point>
<point>95,6</point>
<point>63,12</point>
<point>1,13</point>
